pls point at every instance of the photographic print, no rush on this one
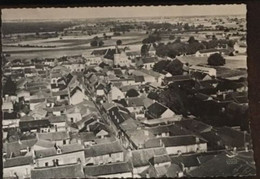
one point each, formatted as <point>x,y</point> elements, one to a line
<point>125,92</point>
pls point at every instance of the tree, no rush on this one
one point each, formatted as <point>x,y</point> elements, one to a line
<point>161,65</point>
<point>192,40</point>
<point>174,98</point>
<point>132,93</point>
<point>94,43</point>
<point>100,43</point>
<point>216,60</point>
<point>144,50</point>
<point>175,67</point>
<point>119,42</point>
<point>171,37</point>
<point>9,87</point>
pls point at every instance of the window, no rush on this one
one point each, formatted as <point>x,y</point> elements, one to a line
<point>71,120</point>
<point>46,164</point>
<point>64,142</point>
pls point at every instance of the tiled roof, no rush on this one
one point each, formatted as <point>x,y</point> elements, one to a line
<point>108,169</point>
<point>53,136</point>
<point>70,148</point>
<point>18,161</point>
<point>103,149</point>
<point>173,141</point>
<point>141,157</point>
<point>67,171</point>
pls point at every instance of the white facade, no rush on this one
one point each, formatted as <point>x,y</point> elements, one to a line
<point>121,59</point>
<point>23,171</point>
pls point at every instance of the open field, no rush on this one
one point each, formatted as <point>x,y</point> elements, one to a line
<point>68,45</point>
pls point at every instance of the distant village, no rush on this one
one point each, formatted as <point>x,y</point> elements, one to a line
<point>123,112</point>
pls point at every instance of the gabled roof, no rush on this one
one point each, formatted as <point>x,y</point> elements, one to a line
<point>13,115</point>
<point>172,129</point>
<point>15,147</point>
<point>173,141</point>
<point>226,166</point>
<point>53,136</point>
<point>141,157</point>
<point>75,90</point>
<point>66,171</point>
<point>194,125</point>
<point>186,160</point>
<point>156,109</point>
<point>70,148</point>
<point>103,149</point>
<point>108,169</point>
<point>18,161</point>
<point>28,125</point>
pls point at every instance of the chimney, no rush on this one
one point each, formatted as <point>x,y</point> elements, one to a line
<point>197,140</point>
<point>234,150</point>
<point>224,96</point>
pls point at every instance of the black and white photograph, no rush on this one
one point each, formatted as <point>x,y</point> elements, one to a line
<point>125,92</point>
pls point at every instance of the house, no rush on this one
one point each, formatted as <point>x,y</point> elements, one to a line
<point>187,162</point>
<point>142,159</point>
<point>179,144</point>
<point>58,123</point>
<point>206,52</point>
<point>101,89</point>
<point>175,79</point>
<point>194,125</point>
<point>147,63</point>
<point>232,138</point>
<point>38,112</point>
<point>43,144</point>
<point>77,96</point>
<point>7,106</point>
<point>168,130</point>
<point>113,170</point>
<point>10,120</point>
<point>92,59</point>
<point>115,94</point>
<point>59,138</point>
<point>61,95</point>
<point>66,171</point>
<point>86,121</point>
<point>158,110</point>
<point>210,71</point>
<point>59,155</point>
<point>35,102</point>
<point>236,165</point>
<point>139,137</point>
<point>240,47</point>
<point>100,130</point>
<point>104,153</point>
<point>18,167</point>
<point>56,110</point>
<point>149,75</point>
<point>23,94</point>
<point>76,112</point>
<point>74,67</point>
<point>35,125</point>
<point>121,59</point>
<point>160,121</point>
<point>18,148</point>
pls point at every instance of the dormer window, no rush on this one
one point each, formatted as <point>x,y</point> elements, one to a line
<point>58,151</point>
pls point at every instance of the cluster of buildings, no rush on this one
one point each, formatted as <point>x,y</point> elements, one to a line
<point>96,116</point>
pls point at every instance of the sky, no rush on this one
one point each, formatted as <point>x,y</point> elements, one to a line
<point>117,12</point>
